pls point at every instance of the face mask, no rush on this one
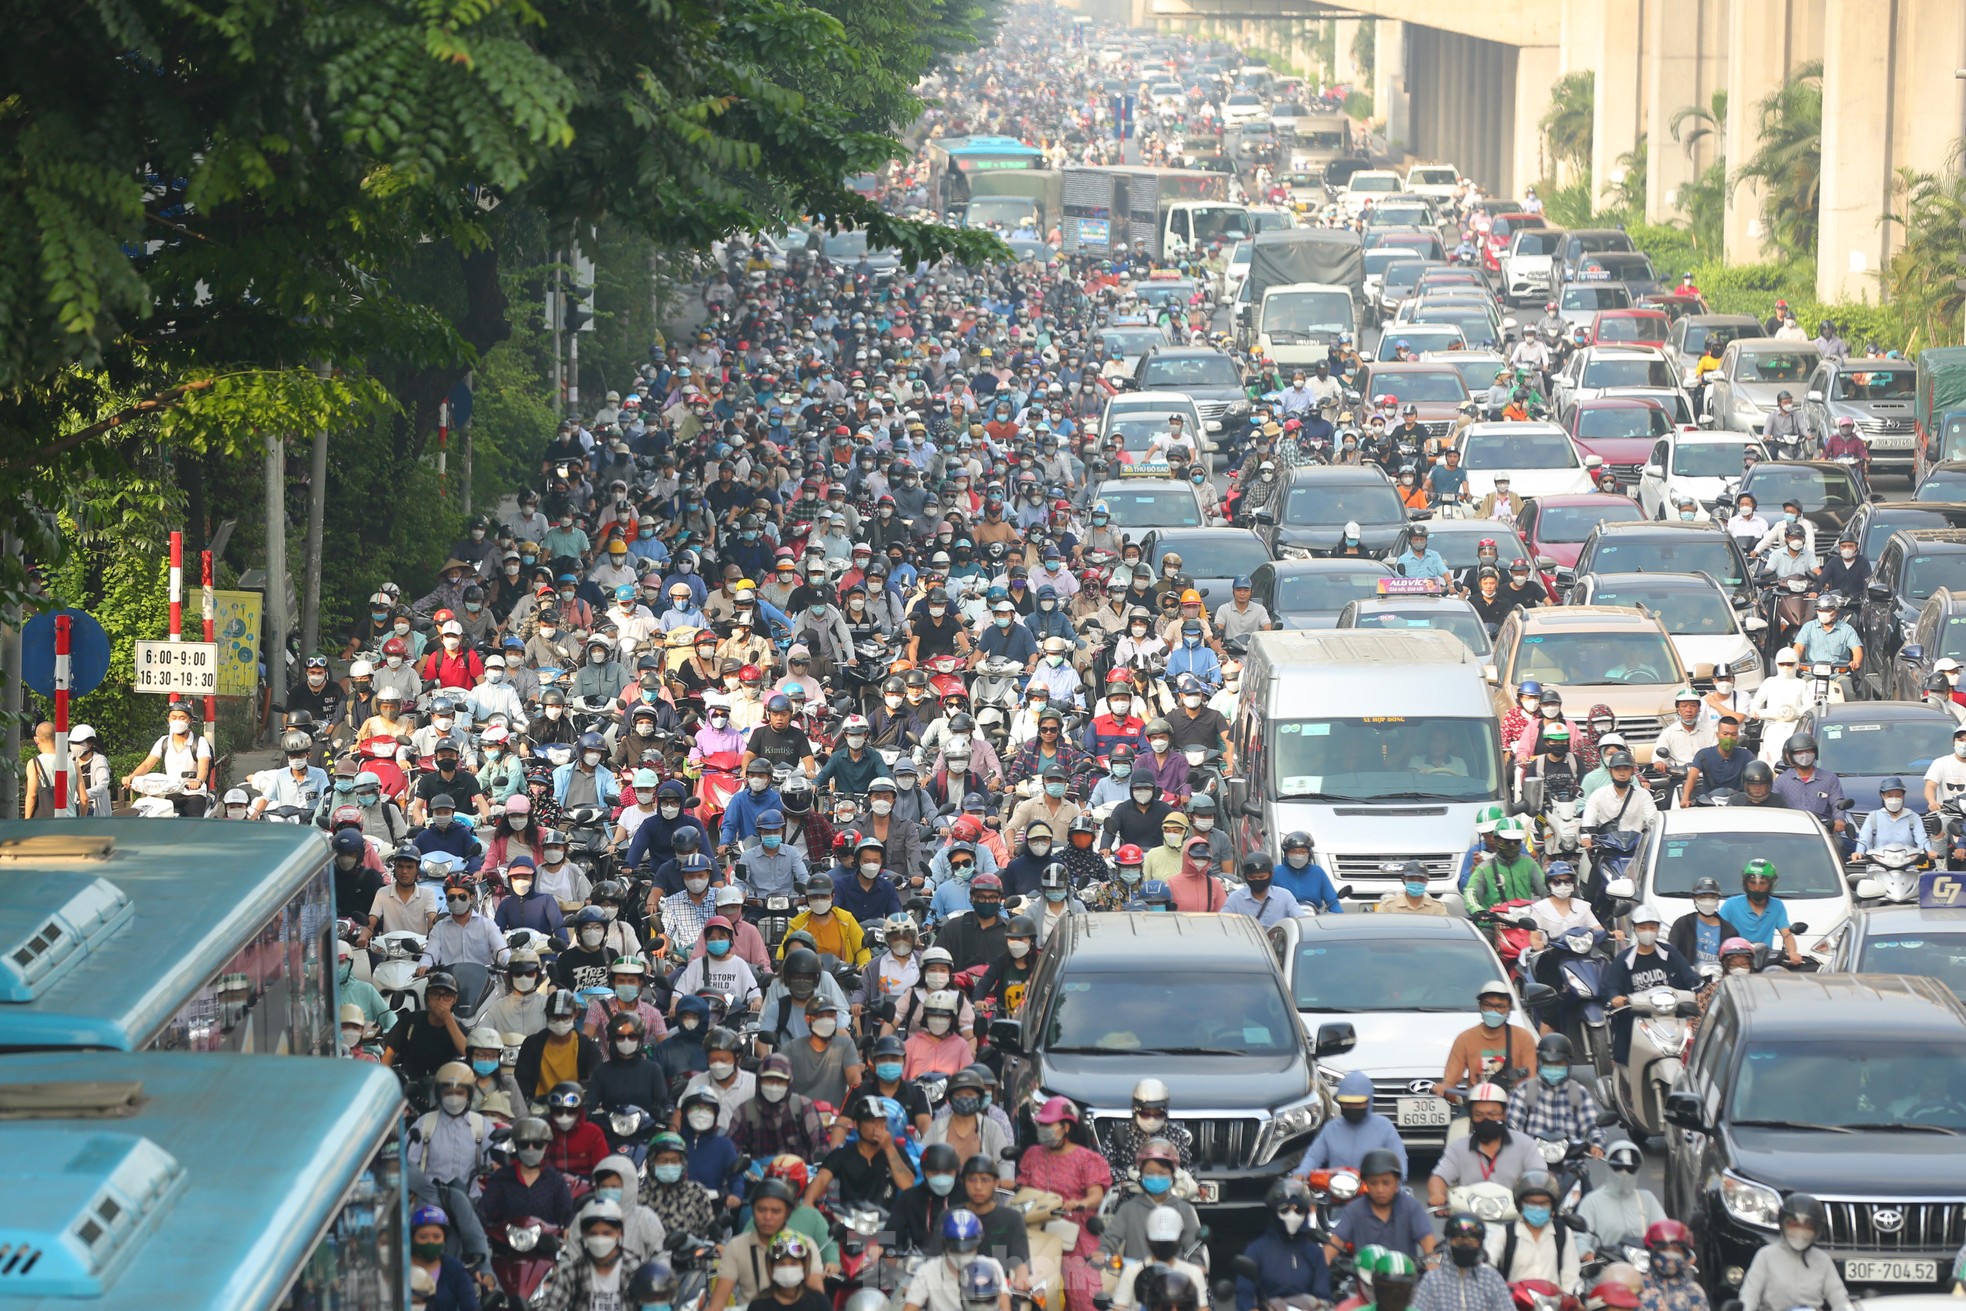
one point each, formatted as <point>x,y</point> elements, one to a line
<point>1799,1239</point>
<point>787,1276</point>
<point>937,1024</point>
<point>530,1157</point>
<point>721,1070</point>
<point>1553,1074</point>
<point>600,1246</point>
<point>1160,745</point>
<point>559,1028</point>
<point>825,1028</point>
<point>1486,1131</point>
<point>774,1090</point>
<point>627,992</point>
<point>667,1172</point>
<point>702,1119</point>
<point>1805,759</point>
<point>1562,890</point>
<point>1415,887</point>
<point>1536,1216</point>
<point>823,906</point>
<point>888,1071</point>
<point>935,980</point>
<point>1646,937</point>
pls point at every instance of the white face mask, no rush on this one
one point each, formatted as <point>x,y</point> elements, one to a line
<point>1018,948</point>
<point>722,1069</point>
<point>1292,1221</point>
<point>1646,937</point>
<point>600,1246</point>
<point>937,1024</point>
<point>787,1276</point>
<point>702,1119</point>
<point>1894,804</point>
<point>773,1091</point>
<point>825,1028</point>
<point>559,1028</point>
<point>1706,905</point>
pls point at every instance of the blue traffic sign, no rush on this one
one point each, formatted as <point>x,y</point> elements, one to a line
<point>88,653</point>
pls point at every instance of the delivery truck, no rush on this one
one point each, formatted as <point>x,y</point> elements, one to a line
<point>1312,263</point>
<point>1166,213</point>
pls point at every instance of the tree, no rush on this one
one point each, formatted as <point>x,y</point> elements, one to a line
<point>1568,123</point>
<point>1626,191</point>
<point>1921,280</point>
<point>1704,199</point>
<point>1788,160</point>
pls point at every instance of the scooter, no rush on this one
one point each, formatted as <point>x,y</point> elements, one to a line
<point>717,781</point>
<point>1788,610</point>
<point>1638,1090</point>
<point>396,977</point>
<point>993,695</point>
<point>1577,1010</point>
<point>629,1129</point>
<point>1888,876</point>
<point>522,1255</point>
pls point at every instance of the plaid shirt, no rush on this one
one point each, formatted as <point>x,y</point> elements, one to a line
<point>1544,1112</point>
<point>762,1131</point>
<point>683,919</point>
<point>1450,1288</point>
<point>1025,763</point>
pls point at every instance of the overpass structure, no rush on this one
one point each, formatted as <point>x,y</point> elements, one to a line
<point>1469,84</point>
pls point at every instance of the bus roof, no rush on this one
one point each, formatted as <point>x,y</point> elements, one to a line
<point>989,146</point>
<point>209,1193</point>
<point>109,926</point>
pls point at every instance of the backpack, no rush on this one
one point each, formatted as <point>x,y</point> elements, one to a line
<point>428,1121</point>
<point>1507,1263</point>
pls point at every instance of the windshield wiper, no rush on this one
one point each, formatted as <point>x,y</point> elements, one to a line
<point>1416,796</point>
<point>1902,1128</point>
<point>1185,1051</point>
<point>1791,1124</point>
<point>1317,796</point>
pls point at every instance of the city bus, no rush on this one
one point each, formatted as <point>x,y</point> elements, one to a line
<point>175,1181</point>
<point>954,160</point>
<point>152,935</point>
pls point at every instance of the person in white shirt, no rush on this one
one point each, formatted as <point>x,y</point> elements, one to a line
<point>496,696</point>
<point>1621,804</point>
<point>1560,912</point>
<point>1945,778</point>
<point>1780,701</point>
<point>1772,540</point>
<point>1688,735</point>
<point>1747,523</point>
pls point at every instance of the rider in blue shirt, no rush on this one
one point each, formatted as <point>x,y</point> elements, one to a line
<point>1305,880</point>
<point>1419,560</point>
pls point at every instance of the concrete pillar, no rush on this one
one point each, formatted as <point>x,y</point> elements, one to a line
<point>1860,96</point>
<point>1390,100</point>
<point>1536,71</point>
<point>1582,41</point>
<point>1672,81</point>
<point>1931,45</point>
<point>1757,61</point>
<point>1347,69</point>
<point>1615,124</point>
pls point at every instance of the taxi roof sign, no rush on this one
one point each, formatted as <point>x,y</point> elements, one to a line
<point>1940,890</point>
<point>1410,587</point>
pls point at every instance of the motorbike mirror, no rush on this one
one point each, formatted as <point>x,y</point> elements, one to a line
<point>1537,994</point>
<point>1576,1223</point>
<point>1345,892</point>
<point>1095,1225</point>
<point>1846,803</point>
<point>1799,928</point>
<point>1620,889</point>
<point>1526,922</point>
<point>1245,1267</point>
<point>1606,1118</point>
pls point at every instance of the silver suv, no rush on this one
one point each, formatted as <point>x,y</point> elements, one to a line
<point>1878,394</point>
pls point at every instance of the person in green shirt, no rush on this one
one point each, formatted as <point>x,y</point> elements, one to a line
<point>1510,874</point>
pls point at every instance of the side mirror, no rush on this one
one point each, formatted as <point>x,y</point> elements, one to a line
<point>1510,325</point>
<point>1814,395</point>
<point>1491,675</point>
<point>1653,471</point>
<point>1566,577</point>
<point>1620,890</point>
<point>1537,994</point>
<point>1007,1034</point>
<point>1335,1039</point>
<point>1755,624</point>
<point>1684,1110</point>
<point>1263,517</point>
<point>1706,421</point>
<point>1912,653</point>
<point>1879,591</point>
<point>1253,809</point>
<point>1799,928</point>
<point>1575,1223</point>
<point>1547,564</point>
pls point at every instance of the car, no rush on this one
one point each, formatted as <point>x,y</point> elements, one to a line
<point>1865,742</point>
<point>1901,939</point>
<point>1416,242</point>
<point>1433,389</point>
<point>1397,280</point>
<point>1592,371</point>
<point>1913,566</point>
<point>1449,614</point>
<point>1359,970</point>
<point>1696,464</point>
<point>1630,267</point>
<point>1670,399</point>
<point>1139,501</point>
<point>1875,521</point>
<point>1944,482</point>
<point>1308,510</point>
<point>1579,243</point>
<point>1444,276</point>
<point>1538,458</point>
<point>1593,654</point>
<point>1698,614</point>
<point>1208,377</point>
<point>1525,265</point>
<point>1213,557</point>
<point>1421,338</point>
<point>1458,543</point>
<point>848,247</point>
<point>1395,211</point>
<point>1131,340</point>
<point>1633,327</point>
<point>1477,368</point>
<point>1619,430</point>
<point>1501,229</point>
<point>1674,546</point>
<point>1577,303</point>
<point>1437,181</point>
<point>1476,326</point>
<point>1753,372</point>
<point>1244,107</point>
<point>1877,395</point>
<point>1686,843</point>
<point>1136,416</point>
<point>1377,258</point>
<point>1367,186</point>
<point>1840,1085</point>
<point>1104,1010</point>
<point>1235,269</point>
<point>1829,492</point>
<point>1939,633</point>
<point>1687,340</point>
<point>1312,593</point>
<point>1557,526</point>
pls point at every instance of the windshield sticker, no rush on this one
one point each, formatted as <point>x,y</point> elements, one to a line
<point>1256,1035</point>
<point>1833,732</point>
<point>1293,784</point>
<point>1310,730</point>
<point>1865,728</point>
<point>1674,850</point>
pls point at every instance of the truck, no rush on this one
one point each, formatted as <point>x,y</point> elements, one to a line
<point>1297,322</point>
<point>1941,387</point>
<point>1164,212</point>
<point>1287,257</point>
<point>1009,197</point>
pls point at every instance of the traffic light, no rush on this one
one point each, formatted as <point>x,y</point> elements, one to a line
<point>577,313</point>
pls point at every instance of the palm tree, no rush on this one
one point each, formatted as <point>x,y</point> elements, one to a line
<point>1708,123</point>
<point>1704,199</point>
<point>1788,160</point>
<point>1922,277</point>
<point>1567,124</point>
<point>1627,192</point>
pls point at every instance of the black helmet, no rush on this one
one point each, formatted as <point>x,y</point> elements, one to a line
<point>1531,1182</point>
<point>801,971</point>
<point>1288,1189</point>
<point>981,1163</point>
<point>1021,926</point>
<point>1553,1048</point>
<point>1055,875</point>
<point>1799,742</point>
<point>1379,1161</point>
<point>1758,771</point>
<point>653,1284</point>
<point>593,742</point>
<point>1164,1288</point>
<point>782,1191</point>
<point>440,981</point>
<point>1465,1224</point>
<point>1802,1208</point>
<point>940,1158</point>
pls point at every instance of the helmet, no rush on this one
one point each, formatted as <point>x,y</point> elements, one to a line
<point>1553,1048</point>
<point>1288,1190</point>
<point>1155,892</point>
<point>789,1246</point>
<point>1488,1092</point>
<point>1465,1224</point>
<point>1129,854</point>
<point>1150,1093</point>
<point>1165,1288</point>
<point>653,1284</point>
<point>1610,1295</point>
<point>1758,771</point>
<point>429,1215</point>
<point>1485,820</point>
<point>601,1208</point>
<point>1736,947</point>
<point>1530,687</point>
<point>1379,1161</point>
<point>779,1190</point>
<point>962,1231</point>
<point>1532,1182</point>
<point>593,742</point>
<point>1797,743</point>
<point>1158,1149</point>
<point>981,1284</point>
<point>1667,1233</point>
<point>1759,868</point>
<point>1510,828</point>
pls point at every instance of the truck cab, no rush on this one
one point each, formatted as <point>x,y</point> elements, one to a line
<point>1297,322</point>
<point>1193,226</point>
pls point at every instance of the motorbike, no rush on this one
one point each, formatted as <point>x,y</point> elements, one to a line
<point>1330,1191</point>
<point>1569,1164</point>
<point>1503,924</point>
<point>522,1255</point>
<point>1577,960</point>
<point>1888,876</point>
<point>1611,858</point>
<point>1558,807</point>
<point>717,781</point>
<point>396,977</point>
<point>1787,604</point>
<point>629,1129</point>
<point>994,698</point>
<point>1638,1090</point>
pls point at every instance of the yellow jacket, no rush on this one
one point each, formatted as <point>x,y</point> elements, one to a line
<point>838,933</point>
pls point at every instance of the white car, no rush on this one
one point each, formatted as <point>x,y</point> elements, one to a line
<point>1718,841</point>
<point>1538,458</point>
<point>1244,107</point>
<point>1371,184</point>
<point>1706,630</point>
<point>1440,181</point>
<point>1594,370</point>
<point>1236,270</point>
<point>1136,416</point>
<point>1407,985</point>
<point>1695,464</point>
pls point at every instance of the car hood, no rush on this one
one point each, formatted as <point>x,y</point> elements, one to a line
<point>1763,393</point>
<point>1229,1083</point>
<point>1424,828</point>
<point>1617,450</point>
<point>1866,1165</point>
<point>1394,1043</point>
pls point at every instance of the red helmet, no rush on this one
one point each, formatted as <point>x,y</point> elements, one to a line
<point>395,646</point>
<point>1119,677</point>
<point>346,817</point>
<point>1541,1295</point>
<point>1129,855</point>
<point>750,675</point>
<point>1610,1295</point>
<point>790,1168</point>
<point>1667,1233</point>
<point>1486,544</point>
<point>443,617</point>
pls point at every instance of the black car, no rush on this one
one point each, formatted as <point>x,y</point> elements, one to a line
<point>1843,1086</point>
<point>1312,593</point>
<point>1104,1010</point>
<point>1204,375</point>
<point>1307,511</point>
<point>1670,547</point>
<point>1906,939</point>
<point>1865,742</point>
<point>1829,492</point>
<point>1945,481</point>
<point>1939,633</point>
<point>1875,521</point>
<point>1213,557</point>
<point>1911,567</point>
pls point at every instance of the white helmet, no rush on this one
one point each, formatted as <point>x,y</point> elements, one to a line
<point>361,669</point>
<point>1163,1225</point>
<point>945,1002</point>
<point>1150,1092</point>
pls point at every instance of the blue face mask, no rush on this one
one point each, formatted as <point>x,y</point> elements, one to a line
<point>941,1184</point>
<point>887,1071</point>
<point>1554,1074</point>
<point>1054,789</point>
<point>1493,1019</point>
<point>1056,894</point>
<point>1536,1216</point>
<point>1120,770</point>
<point>717,947</point>
<point>658,1306</point>
<point>1156,1184</point>
<point>667,1174</point>
<point>770,841</point>
<point>627,992</point>
<point>484,1066</point>
<point>609,1195</point>
<point>1416,887</point>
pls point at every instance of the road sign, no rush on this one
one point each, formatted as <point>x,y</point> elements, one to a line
<point>187,668</point>
<point>88,653</point>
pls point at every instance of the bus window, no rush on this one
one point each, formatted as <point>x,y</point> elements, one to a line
<point>358,1262</point>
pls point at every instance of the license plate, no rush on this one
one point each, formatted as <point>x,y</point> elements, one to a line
<point>1421,1112</point>
<point>1897,443</point>
<point>1889,1270</point>
<point>1207,1191</point>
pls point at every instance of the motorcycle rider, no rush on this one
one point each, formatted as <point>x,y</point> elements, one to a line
<point>1890,824</point>
<point>1647,964</point>
<point>1618,1211</point>
<point>1555,1105</point>
<point>1790,1270</point>
<point>1412,897</point>
<point>1783,432</point>
<point>1780,702</point>
<point>1494,1048</point>
<point>1290,1262</point>
<point>1489,1153</point>
<point>1535,1246</point>
<point>1384,1214</point>
<point>1557,914</point>
<point>1358,1132</point>
<point>1805,787</point>
<point>1619,805</point>
<point>1830,639</point>
<point>1465,1282</point>
<point>1303,879</point>
<point>1688,735</point>
<point>1670,1281</point>
<point>1758,913</point>
<point>1718,767</point>
<point>591,1274</point>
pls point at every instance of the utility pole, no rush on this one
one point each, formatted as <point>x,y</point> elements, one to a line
<point>553,301</point>
<point>317,496</point>
<point>276,566</point>
<point>10,688</point>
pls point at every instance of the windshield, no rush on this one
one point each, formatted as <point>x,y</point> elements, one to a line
<point>1228,556</point>
<point>1857,1083</point>
<point>1402,274</point>
<point>1301,593</point>
<point>1458,620</point>
<point>1633,327</point>
<point>1380,258</point>
<point>1616,372</point>
<point>1926,574</point>
<point>1190,371</point>
<point>1473,325</point>
<point>1423,337</point>
<point>1011,211</point>
<point>1136,428</point>
<point>1243,99</point>
<point>1458,550</point>
<point>1623,421</point>
<point>1162,294</point>
<point>1174,507</point>
<point>1163,1011</point>
<point>1495,450</point>
<point>1592,243</point>
<point>1707,553</point>
<point>1428,385</point>
<point>1476,373</point>
<point>1620,266</point>
<point>1132,341</point>
<point>1699,334</point>
<point>1324,138</point>
<point>1221,223</point>
<point>1940,956</point>
<point>1303,313</point>
<point>1608,297</point>
<point>1379,976</point>
<point>1803,859</point>
<point>1816,489</point>
<point>1385,758</point>
<point>1380,182</point>
<point>1876,385</point>
<point>1685,611</point>
<point>846,245</point>
<point>1623,655</point>
<point>1537,242</point>
<point>1268,220</point>
<point>1410,215</point>
<point>1325,505</point>
<point>1573,523</point>
<point>1431,177</point>
<point>1773,366</point>
<point>1895,746</point>
<point>1707,459</point>
<point>1412,244</point>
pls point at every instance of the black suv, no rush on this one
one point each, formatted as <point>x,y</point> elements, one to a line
<point>1846,1087</point>
<point>1108,1007</point>
<point>1307,512</point>
<point>1205,376</point>
<point>1671,547</point>
<point>1912,567</point>
<point>1938,632</point>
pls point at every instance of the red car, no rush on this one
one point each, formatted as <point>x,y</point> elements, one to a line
<point>1676,304</point>
<point>1557,526</point>
<point>1620,430</point>
<point>1630,328</point>
<point>1504,227</point>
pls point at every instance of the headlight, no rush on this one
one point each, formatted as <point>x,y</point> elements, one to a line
<point>1746,663</point>
<point>525,1238</point>
<point>1750,1203</point>
<point>1581,988</point>
<point>625,1122</point>
<point>1294,552</point>
<point>1292,1121</point>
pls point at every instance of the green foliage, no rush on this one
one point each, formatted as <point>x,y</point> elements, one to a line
<point>1788,161</point>
<point>1567,123</point>
<point>1567,206</point>
<point>1627,191</point>
<point>1358,104</point>
<point>1922,278</point>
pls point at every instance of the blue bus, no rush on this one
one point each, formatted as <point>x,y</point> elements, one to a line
<point>182,1182</point>
<point>952,161</point>
<point>166,935</point>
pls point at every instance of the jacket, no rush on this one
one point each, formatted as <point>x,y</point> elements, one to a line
<point>1286,1265</point>
<point>1342,1143</point>
<point>578,1150</point>
<point>527,1069</point>
<point>605,782</point>
<point>636,1081</point>
<point>507,1197</point>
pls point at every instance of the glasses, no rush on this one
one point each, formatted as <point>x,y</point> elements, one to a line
<point>1292,1208</point>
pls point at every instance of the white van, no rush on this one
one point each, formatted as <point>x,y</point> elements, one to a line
<point>1381,745</point>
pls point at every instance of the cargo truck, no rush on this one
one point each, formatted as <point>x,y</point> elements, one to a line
<point>1941,388</point>
<point>1166,213</point>
<point>1308,262</point>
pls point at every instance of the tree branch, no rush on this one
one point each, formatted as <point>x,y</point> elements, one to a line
<point>163,400</point>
